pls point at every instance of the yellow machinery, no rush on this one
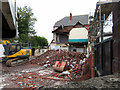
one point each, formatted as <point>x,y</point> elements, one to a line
<point>15,54</point>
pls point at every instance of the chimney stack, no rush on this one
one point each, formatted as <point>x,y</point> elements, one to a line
<point>70,16</point>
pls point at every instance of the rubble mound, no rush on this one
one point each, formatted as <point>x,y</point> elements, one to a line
<point>49,57</point>
<point>109,81</point>
<point>40,70</point>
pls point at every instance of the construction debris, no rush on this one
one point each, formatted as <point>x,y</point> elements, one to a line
<point>73,62</point>
<point>60,66</point>
<point>53,65</point>
<point>50,57</point>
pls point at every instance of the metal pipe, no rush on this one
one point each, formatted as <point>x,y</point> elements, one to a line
<point>100,18</point>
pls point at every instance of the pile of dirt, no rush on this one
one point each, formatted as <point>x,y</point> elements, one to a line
<point>109,81</point>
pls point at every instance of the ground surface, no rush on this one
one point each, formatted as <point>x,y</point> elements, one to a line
<point>110,82</point>
<point>12,77</point>
<point>35,74</point>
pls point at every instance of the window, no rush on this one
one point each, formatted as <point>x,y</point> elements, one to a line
<point>18,47</point>
<point>12,48</point>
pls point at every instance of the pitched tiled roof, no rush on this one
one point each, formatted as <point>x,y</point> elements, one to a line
<point>82,19</point>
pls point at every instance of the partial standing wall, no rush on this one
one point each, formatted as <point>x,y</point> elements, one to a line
<point>116,37</point>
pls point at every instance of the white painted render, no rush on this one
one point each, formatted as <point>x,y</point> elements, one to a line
<point>78,33</point>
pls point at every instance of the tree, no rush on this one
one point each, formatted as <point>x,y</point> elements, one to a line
<point>38,41</point>
<point>26,23</point>
<point>26,29</point>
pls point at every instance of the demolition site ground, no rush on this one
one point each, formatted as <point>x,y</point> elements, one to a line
<point>40,72</point>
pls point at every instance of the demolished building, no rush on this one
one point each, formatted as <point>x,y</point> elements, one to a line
<point>62,28</point>
<point>105,49</point>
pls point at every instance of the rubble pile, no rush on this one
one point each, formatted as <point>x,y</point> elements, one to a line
<point>77,63</point>
<point>50,67</point>
<point>49,58</point>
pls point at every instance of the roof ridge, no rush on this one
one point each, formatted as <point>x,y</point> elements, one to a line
<point>78,15</point>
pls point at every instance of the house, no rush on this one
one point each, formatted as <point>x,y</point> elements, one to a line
<point>63,27</point>
<point>8,14</point>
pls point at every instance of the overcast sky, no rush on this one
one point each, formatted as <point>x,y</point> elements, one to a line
<point>48,12</point>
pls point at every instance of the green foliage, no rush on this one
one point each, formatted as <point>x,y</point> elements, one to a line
<point>26,29</point>
<point>38,41</point>
<point>26,23</point>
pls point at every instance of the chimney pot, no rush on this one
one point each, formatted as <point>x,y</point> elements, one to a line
<point>70,16</point>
